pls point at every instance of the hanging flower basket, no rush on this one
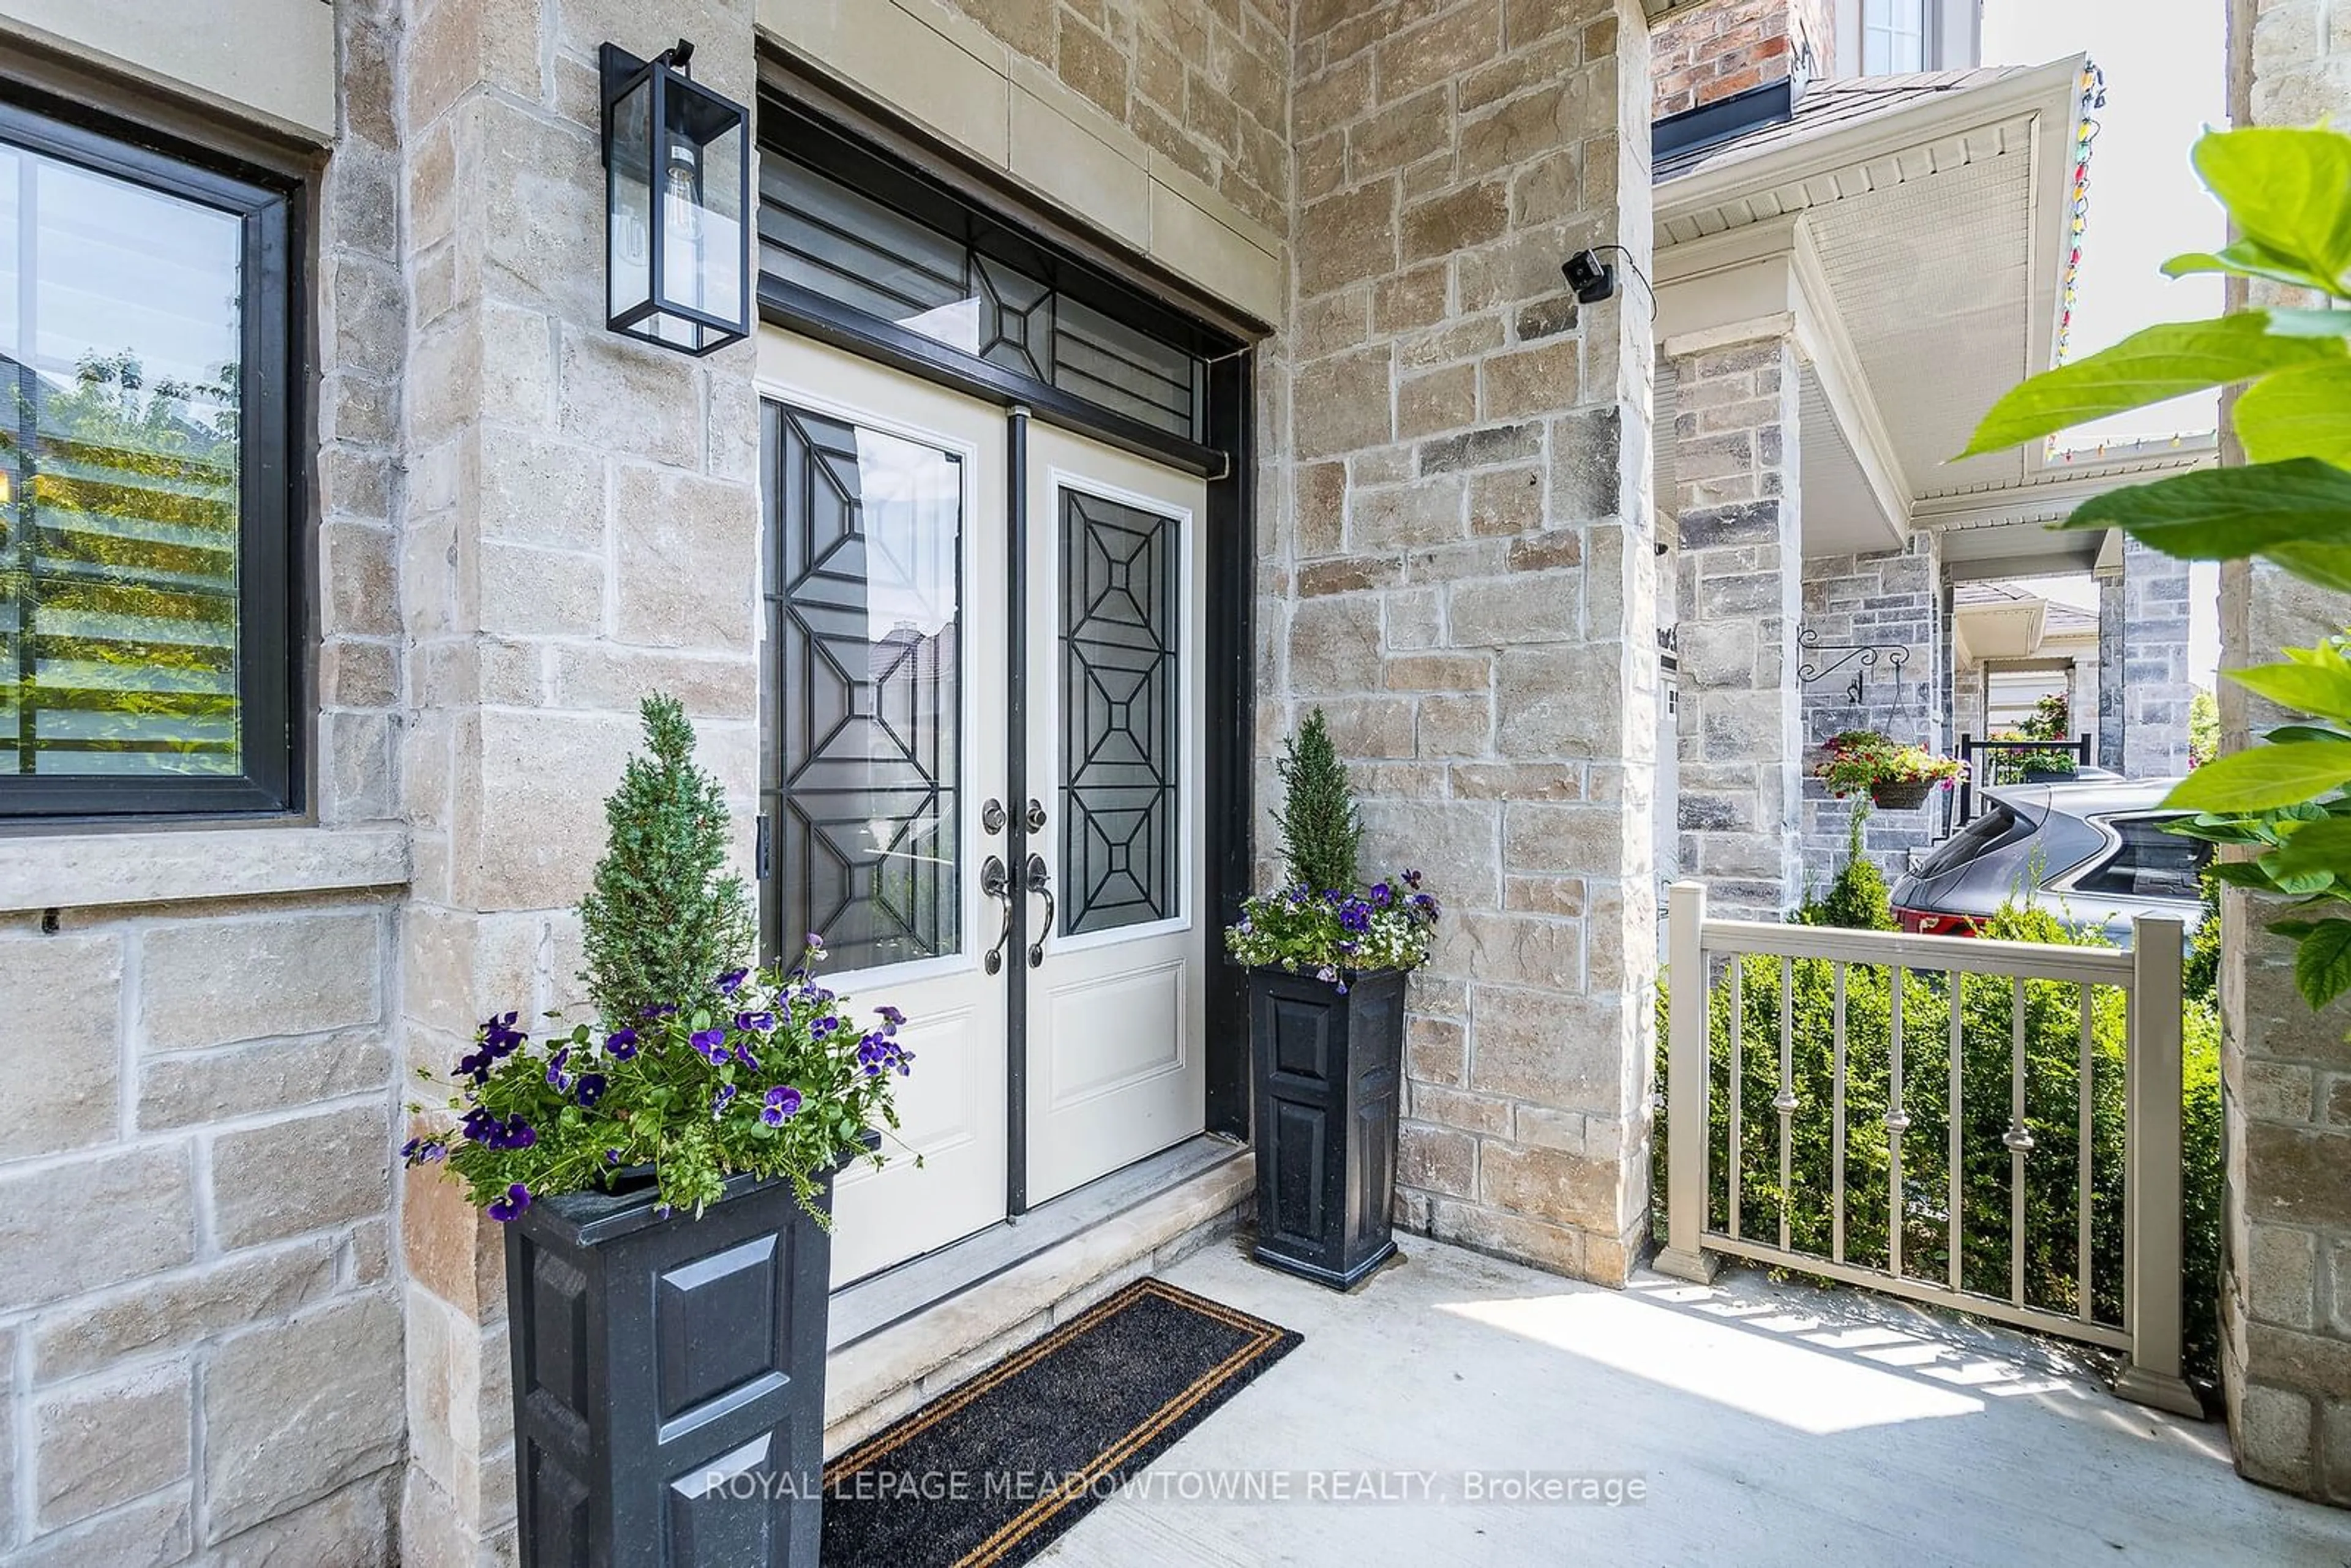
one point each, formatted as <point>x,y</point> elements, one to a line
<point>1900,795</point>
<point>1895,777</point>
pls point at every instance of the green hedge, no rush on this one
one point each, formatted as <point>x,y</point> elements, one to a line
<point>2052,1051</point>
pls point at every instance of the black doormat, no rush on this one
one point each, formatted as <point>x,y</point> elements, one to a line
<point>995,1471</point>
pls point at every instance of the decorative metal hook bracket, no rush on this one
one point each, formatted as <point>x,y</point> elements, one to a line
<point>1862,655</point>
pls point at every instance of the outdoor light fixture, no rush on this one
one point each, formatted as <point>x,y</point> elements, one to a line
<point>677,170</point>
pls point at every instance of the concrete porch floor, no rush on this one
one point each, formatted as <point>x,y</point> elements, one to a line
<point>1772,1424</point>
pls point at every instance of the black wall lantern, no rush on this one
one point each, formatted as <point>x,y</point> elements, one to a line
<point>678,174</point>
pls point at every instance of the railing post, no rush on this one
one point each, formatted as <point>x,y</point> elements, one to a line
<point>1688,1071</point>
<point>2151,1177</point>
<point>1968,778</point>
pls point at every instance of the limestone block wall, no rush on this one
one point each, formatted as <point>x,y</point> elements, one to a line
<point>1888,598</point>
<point>2285,1303</point>
<point>200,1322</point>
<point>1460,573</point>
<point>1739,785</point>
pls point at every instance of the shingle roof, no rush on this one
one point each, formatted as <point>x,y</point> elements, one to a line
<point>1834,105</point>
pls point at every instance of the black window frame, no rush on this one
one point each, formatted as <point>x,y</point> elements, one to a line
<point>271,203</point>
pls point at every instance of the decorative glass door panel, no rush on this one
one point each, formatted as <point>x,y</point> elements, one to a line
<point>1116,995</point>
<point>883,734</point>
<point>1122,739</point>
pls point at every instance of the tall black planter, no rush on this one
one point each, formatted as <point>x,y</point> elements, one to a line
<point>1328,1073</point>
<point>669,1380</point>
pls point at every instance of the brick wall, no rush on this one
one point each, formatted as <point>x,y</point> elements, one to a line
<point>2285,1072</point>
<point>1460,573</point>
<point>1885,598</point>
<point>1707,53</point>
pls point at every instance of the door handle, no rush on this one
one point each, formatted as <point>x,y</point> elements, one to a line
<point>996,880</point>
<point>1041,880</point>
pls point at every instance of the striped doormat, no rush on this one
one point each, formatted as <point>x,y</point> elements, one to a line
<point>993,1472</point>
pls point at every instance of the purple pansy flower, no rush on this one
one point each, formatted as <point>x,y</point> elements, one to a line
<point>711,1043</point>
<point>759,1023</point>
<point>589,1089</point>
<point>656,1009</point>
<point>890,1017</point>
<point>622,1043</point>
<point>424,1151</point>
<point>720,1100</point>
<point>612,1156</point>
<point>783,1101</point>
<point>731,981</point>
<point>510,1207</point>
<point>557,1079</point>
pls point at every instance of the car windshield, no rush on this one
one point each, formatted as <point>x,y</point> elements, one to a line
<point>2149,862</point>
<point>2000,825</point>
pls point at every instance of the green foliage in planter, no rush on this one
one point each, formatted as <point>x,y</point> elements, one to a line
<point>1859,760</point>
<point>661,923</point>
<point>1322,832</point>
<point>2052,1051</point>
<point>2203,727</point>
<point>704,1068</point>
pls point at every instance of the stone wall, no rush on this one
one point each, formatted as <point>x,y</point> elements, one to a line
<point>1460,573</point>
<point>580,527</point>
<point>199,1330</point>
<point>1735,502</point>
<point>1888,598</point>
<point>2144,687</point>
<point>1714,50</point>
<point>2286,1073</point>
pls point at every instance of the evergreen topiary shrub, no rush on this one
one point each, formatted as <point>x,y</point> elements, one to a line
<point>1322,832</point>
<point>661,921</point>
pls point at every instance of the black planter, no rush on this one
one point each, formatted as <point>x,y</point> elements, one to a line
<point>1903,795</point>
<point>1328,1072</point>
<point>669,1380</point>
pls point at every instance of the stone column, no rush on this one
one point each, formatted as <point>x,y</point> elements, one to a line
<point>580,527</point>
<point>1463,581</point>
<point>2156,685</point>
<point>1739,603</point>
<point>2285,1301</point>
<point>2114,619</point>
<point>2144,688</point>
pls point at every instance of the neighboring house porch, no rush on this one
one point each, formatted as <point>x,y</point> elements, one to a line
<point>1820,358</point>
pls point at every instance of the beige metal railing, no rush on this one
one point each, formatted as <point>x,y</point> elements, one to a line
<point>2147,1328</point>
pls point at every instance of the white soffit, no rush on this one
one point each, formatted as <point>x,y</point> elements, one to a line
<point>1840,515</point>
<point>1941,226</point>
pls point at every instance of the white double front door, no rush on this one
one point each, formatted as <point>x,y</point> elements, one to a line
<point>902,712</point>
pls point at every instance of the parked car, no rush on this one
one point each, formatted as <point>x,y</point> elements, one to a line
<point>2095,852</point>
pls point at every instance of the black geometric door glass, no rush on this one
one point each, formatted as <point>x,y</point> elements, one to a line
<point>1120,702</point>
<point>869,585</point>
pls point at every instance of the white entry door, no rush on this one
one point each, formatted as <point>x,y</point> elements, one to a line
<point>887,590</point>
<point>1118,978</point>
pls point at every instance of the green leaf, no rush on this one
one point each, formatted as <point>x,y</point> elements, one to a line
<point>2287,190</point>
<point>2322,965</point>
<point>2263,777</point>
<point>2304,732</point>
<point>2306,687</point>
<point>2222,514</point>
<point>2244,259</point>
<point>2145,367</point>
<point>2301,411</point>
<point>2297,883</point>
<point>2294,928</point>
<point>2315,847</point>
<point>2243,874</point>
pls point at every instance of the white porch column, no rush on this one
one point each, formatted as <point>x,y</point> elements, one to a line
<point>1739,601</point>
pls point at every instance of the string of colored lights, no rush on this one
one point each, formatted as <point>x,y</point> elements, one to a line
<point>2094,97</point>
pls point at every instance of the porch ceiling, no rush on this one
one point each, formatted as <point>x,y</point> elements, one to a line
<point>1924,224</point>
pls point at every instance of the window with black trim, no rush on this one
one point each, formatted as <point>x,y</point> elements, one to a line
<point>146,338</point>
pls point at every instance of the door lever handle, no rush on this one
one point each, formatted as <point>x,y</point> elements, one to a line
<point>996,880</point>
<point>1041,880</point>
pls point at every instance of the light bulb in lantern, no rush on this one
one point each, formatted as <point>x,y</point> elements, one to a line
<point>682,225</point>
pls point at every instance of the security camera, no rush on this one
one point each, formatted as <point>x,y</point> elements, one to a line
<point>1593,279</point>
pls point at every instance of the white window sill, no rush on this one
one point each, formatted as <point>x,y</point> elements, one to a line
<point>183,866</point>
